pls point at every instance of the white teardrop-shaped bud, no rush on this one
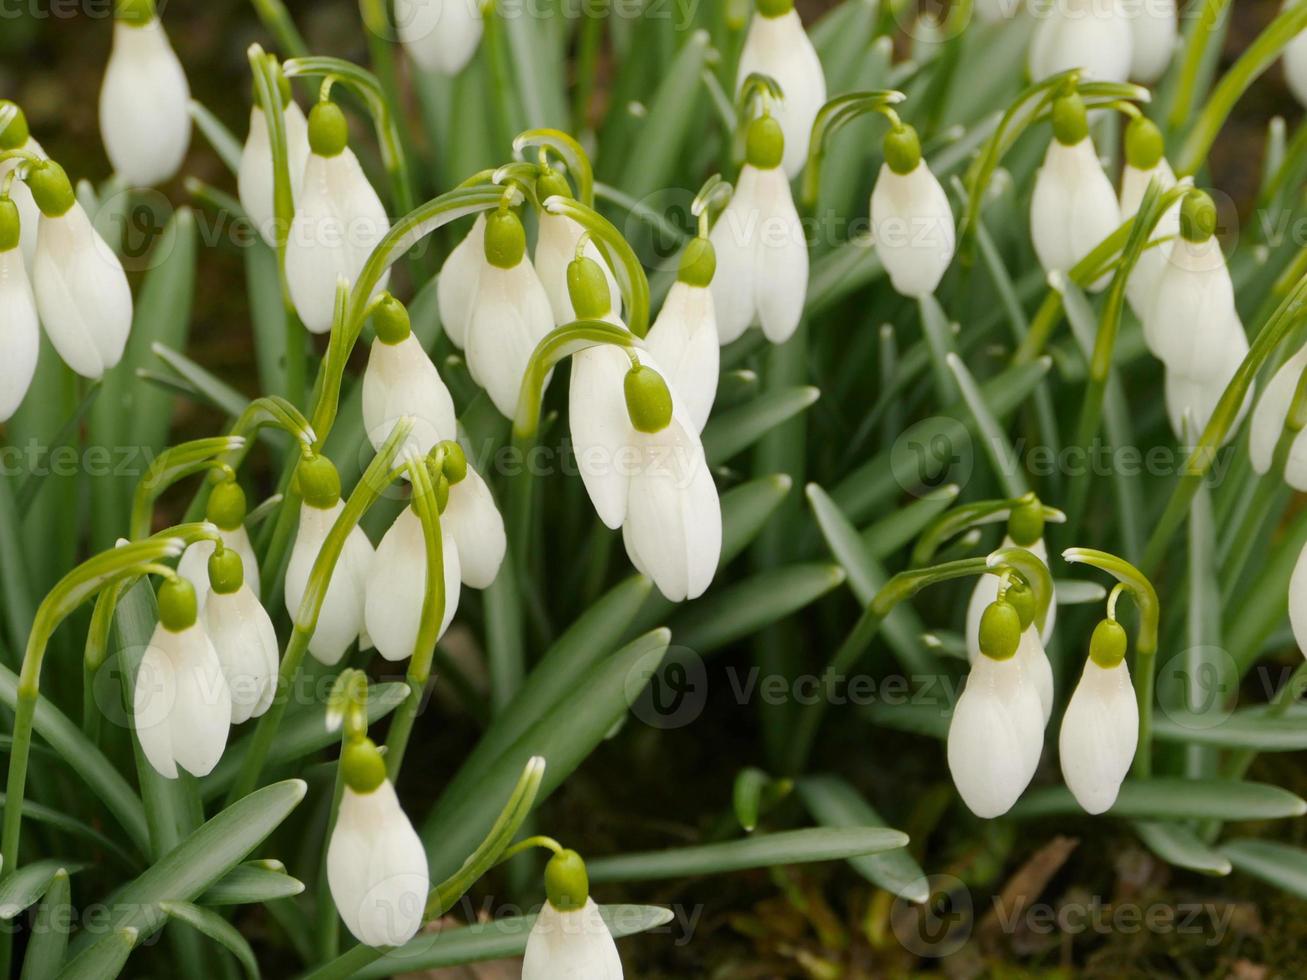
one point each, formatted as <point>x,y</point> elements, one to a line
<point>246,643</point>
<point>473,522</point>
<point>254,179</point>
<point>181,704</point>
<point>400,381</point>
<point>912,228</point>
<point>340,622</point>
<point>1154,36</point>
<point>377,868</point>
<point>440,35</point>
<point>144,105</point>
<point>20,338</point>
<point>555,250</point>
<point>1074,207</point>
<point>684,343</point>
<point>571,945</point>
<point>194,564</point>
<point>779,47</point>
<point>1141,289</point>
<point>397,587</point>
<point>1193,318</point>
<point>1092,35</point>
<point>601,429</point>
<point>1100,731</point>
<point>456,289</point>
<point>1268,424</point>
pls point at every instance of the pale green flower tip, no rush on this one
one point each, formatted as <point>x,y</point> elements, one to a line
<point>1000,631</point>
<point>566,882</point>
<point>648,399</point>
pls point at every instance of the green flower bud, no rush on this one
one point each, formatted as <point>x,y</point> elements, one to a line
<point>1022,599</point>
<point>1107,646</point>
<point>178,608</point>
<point>765,144</point>
<point>361,766</point>
<point>1197,217</point>
<point>15,135</point>
<point>10,225</point>
<point>1000,630</point>
<point>903,150</point>
<point>566,882</point>
<point>648,399</point>
<point>226,571</point>
<point>454,468</point>
<point>552,184</point>
<point>51,189</point>
<point>505,239</point>
<point>226,506</point>
<point>137,13</point>
<point>698,264</point>
<point>1144,145</point>
<point>775,8</point>
<point>588,288</point>
<point>1025,525</point>
<point>319,482</point>
<point>328,130</point>
<point>1070,121</point>
<point>391,321</point>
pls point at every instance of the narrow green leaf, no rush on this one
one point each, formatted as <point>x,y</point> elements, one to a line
<point>992,437</point>
<point>897,530</point>
<point>834,803</point>
<point>24,888</point>
<point>252,884</point>
<point>1176,799</point>
<point>218,929</point>
<point>918,717</point>
<point>219,393</point>
<point>746,510</point>
<point>224,143</point>
<point>938,330</point>
<point>759,851</point>
<point>267,316</point>
<point>1072,592</point>
<point>19,605</point>
<point>1177,845</point>
<point>49,942</point>
<point>1241,730</point>
<point>729,434</point>
<point>1281,865</point>
<point>755,793</point>
<point>104,959</point>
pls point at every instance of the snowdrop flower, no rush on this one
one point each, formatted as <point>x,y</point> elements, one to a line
<point>397,586</point>
<point>242,635</point>
<point>1100,729</point>
<point>1145,162</point>
<point>338,221</point>
<point>16,136</point>
<point>181,704</point>
<point>1191,402</point>
<point>20,338</point>
<point>225,510</point>
<point>762,253</point>
<point>1074,206</point>
<point>340,622</point>
<point>81,290</point>
<point>911,221</point>
<point>440,35</point>
<point>1092,35</point>
<point>510,314</point>
<point>376,864</point>
<point>570,940</point>
<point>1268,423</point>
<point>254,179</point>
<point>778,46</point>
<point>1025,530</point>
<point>996,734</point>
<point>683,340</point>
<point>1154,35</point>
<point>400,381</point>
<point>473,524</point>
<point>556,246</point>
<point>145,121</point>
<point>456,288</point>
<point>1295,65</point>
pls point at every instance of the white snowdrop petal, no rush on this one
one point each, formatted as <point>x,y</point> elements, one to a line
<point>20,338</point>
<point>1189,326</point>
<point>1100,731</point>
<point>1034,662</point>
<point>440,35</point>
<point>246,644</point>
<point>341,619</point>
<point>1298,601</point>
<point>1154,35</point>
<point>684,342</point>
<point>555,250</point>
<point>1295,66</point>
<point>1092,35</point>
<point>145,122</point>
<point>29,215</point>
<point>912,228</point>
<point>734,238</point>
<point>781,279</point>
<point>780,48</point>
<point>153,699</point>
<point>995,737</point>
<point>194,564</point>
<point>400,381</point>
<point>476,527</point>
<point>1191,402</point>
<point>456,288</point>
<point>254,177</point>
<point>1074,207</point>
<point>509,319</point>
<point>575,944</point>
<point>202,713</point>
<point>397,587</point>
<point>1272,410</point>
<point>601,429</point>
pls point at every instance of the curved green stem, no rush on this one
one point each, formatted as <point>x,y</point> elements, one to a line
<point>555,348</point>
<point>1195,53</point>
<point>833,116</point>
<point>347,704</point>
<point>962,518</point>
<point>173,465</point>
<point>526,844</point>
<point>570,152</point>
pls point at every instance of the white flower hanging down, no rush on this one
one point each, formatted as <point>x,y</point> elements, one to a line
<point>1025,530</point>
<point>81,290</point>
<point>145,120</point>
<point>339,219</point>
<point>683,340</point>
<point>1146,162</point>
<point>181,704</point>
<point>1100,730</point>
<point>20,338</point>
<point>762,252</point>
<point>16,136</point>
<point>456,288</point>
<point>556,246</point>
<point>1074,206</point>
<point>777,46</point>
<point>341,620</point>
<point>996,734</point>
<point>1092,35</point>
<point>472,521</point>
<point>226,511</point>
<point>255,180</point>
<point>440,35</point>
<point>401,382</point>
<point>1268,423</point>
<point>570,940</point>
<point>376,864</point>
<point>510,314</point>
<point>911,220</point>
<point>1154,37</point>
<point>242,635</point>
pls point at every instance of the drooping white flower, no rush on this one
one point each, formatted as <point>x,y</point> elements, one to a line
<point>243,637</point>
<point>226,511</point>
<point>145,121</point>
<point>81,290</point>
<point>1193,317</point>
<point>1092,35</point>
<point>987,586</point>
<point>1100,729</point>
<point>181,704</point>
<point>456,289</point>
<point>1191,402</point>
<point>684,341</point>
<point>255,180</point>
<point>340,621</point>
<point>440,35</point>
<point>376,864</point>
<point>20,338</point>
<point>474,525</point>
<point>1154,36</point>
<point>16,136</point>
<point>1146,163</point>
<point>1074,206</point>
<point>762,252</point>
<point>556,245</point>
<point>1298,601</point>
<point>510,314</point>
<point>571,945</point>
<point>778,46</point>
<point>1268,423</point>
<point>911,220</point>
<point>339,219</point>
<point>400,381</point>
<point>398,586</point>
